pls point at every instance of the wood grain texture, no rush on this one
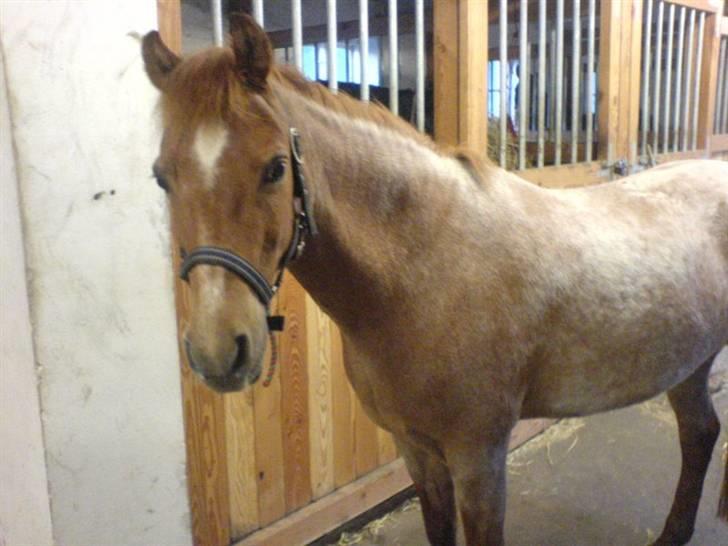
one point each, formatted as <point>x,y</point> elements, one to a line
<point>445,64</point>
<point>708,79</point>
<point>343,415</point>
<point>609,76</point>
<point>240,442</point>
<point>293,370</point>
<point>565,176</point>
<point>169,21</point>
<point>472,74</point>
<point>387,447</point>
<point>269,449</point>
<point>631,130</point>
<point>320,402</point>
<point>334,509</point>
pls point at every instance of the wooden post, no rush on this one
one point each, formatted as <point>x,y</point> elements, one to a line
<point>203,410</point>
<point>709,75</point>
<point>460,64</point>
<point>619,80</point>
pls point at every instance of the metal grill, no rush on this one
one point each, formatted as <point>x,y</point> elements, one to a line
<point>671,74</point>
<point>363,66</point>
<point>552,97</point>
<point>720,122</point>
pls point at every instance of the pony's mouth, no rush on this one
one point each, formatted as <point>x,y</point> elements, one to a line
<point>234,382</point>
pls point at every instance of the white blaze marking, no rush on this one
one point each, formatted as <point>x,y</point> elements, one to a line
<point>210,142</point>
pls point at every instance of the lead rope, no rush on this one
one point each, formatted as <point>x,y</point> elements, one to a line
<point>273,359</point>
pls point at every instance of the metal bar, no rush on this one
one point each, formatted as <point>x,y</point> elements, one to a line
<point>523,86</point>
<point>658,75</point>
<point>420,49</point>
<point>216,9</point>
<point>668,80</point>
<point>590,79</point>
<point>725,88</point>
<point>393,59</point>
<point>258,11</point>
<point>503,32</point>
<point>678,81</point>
<point>541,78</point>
<point>698,70</point>
<point>297,27</point>
<point>559,77</point>
<point>575,71</point>
<point>331,45</point>
<point>718,118</point>
<point>688,75</point>
<point>552,83</point>
<point>364,49</point>
<point>646,77</point>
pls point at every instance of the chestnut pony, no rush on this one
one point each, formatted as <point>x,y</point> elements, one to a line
<point>467,298</point>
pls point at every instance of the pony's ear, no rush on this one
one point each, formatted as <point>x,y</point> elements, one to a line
<point>159,61</point>
<point>253,52</point>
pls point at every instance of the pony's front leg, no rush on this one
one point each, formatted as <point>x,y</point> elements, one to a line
<point>434,488</point>
<point>479,475</point>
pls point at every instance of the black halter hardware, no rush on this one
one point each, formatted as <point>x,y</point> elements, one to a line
<point>303,225</point>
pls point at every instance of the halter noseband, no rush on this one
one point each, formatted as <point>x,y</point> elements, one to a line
<point>303,225</point>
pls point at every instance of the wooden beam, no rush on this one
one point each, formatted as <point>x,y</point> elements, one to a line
<point>718,143</point>
<point>472,79</point>
<point>708,79</point>
<point>564,176</point>
<point>445,62</point>
<point>610,57</point>
<point>203,410</point>
<point>712,6</point>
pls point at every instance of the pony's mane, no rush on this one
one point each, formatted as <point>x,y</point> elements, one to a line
<point>206,86</point>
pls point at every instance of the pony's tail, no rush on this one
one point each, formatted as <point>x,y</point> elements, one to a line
<point>723,502</point>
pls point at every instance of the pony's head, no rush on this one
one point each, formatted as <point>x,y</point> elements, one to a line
<point>225,163</point>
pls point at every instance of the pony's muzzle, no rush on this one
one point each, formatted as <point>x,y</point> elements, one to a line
<point>224,370</point>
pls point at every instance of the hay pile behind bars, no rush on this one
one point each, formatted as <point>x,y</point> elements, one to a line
<point>511,145</point>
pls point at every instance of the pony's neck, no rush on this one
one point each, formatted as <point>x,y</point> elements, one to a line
<point>380,199</point>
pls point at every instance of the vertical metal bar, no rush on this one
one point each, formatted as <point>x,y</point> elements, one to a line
<point>541,78</point>
<point>668,80</point>
<point>552,83</point>
<point>658,74</point>
<point>718,117</point>
<point>503,31</point>
<point>698,70</point>
<point>393,59</point>
<point>590,79</point>
<point>420,49</point>
<point>559,77</point>
<point>523,85</point>
<point>678,81</point>
<point>688,75</point>
<point>331,45</point>
<point>297,27</point>
<point>364,49</point>
<point>647,51</point>
<point>723,78</point>
<point>575,71</point>
<point>258,12</point>
<point>216,9</point>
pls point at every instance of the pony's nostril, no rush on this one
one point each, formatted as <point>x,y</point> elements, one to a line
<point>242,356</point>
<point>188,349</point>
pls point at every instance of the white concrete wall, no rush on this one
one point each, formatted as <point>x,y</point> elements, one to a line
<point>24,507</point>
<point>100,278</point>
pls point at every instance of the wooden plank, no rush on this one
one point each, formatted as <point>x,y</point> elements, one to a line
<point>718,143</point>
<point>343,415</point>
<point>712,6</point>
<point>473,73</point>
<point>387,447</point>
<point>565,176</point>
<point>708,81</point>
<point>203,410</point>
<point>609,76</point>
<point>293,372</point>
<point>445,62</point>
<point>366,441</point>
<point>320,402</point>
<point>355,498</point>
<point>679,156</point>
<point>335,509</point>
<point>631,136</point>
<point>269,448</point>
<point>240,441</point>
<point>624,61</point>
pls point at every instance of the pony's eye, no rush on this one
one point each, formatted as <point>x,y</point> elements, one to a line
<point>275,170</point>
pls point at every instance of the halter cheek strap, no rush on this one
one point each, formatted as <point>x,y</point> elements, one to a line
<point>303,226</point>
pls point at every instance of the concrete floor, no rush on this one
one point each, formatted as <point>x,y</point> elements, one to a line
<point>603,480</point>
